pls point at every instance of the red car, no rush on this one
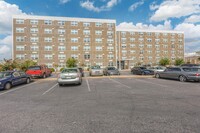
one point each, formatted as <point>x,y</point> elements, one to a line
<point>40,71</point>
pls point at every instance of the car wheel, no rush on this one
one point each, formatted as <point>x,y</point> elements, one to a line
<point>182,78</point>
<point>44,76</point>
<point>28,80</point>
<point>7,86</point>
<point>157,75</point>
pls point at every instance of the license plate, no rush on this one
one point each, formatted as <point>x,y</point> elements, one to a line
<point>66,77</point>
<point>97,72</point>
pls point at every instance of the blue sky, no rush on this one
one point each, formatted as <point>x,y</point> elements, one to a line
<point>180,15</point>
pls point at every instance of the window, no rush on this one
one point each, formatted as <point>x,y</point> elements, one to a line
<point>47,22</point>
<point>132,51</point>
<point>165,46</point>
<point>20,39</point>
<point>109,33</point>
<point>99,64</point>
<point>132,45</point>
<point>132,39</point>
<point>19,48</point>
<point>141,33</point>
<point>61,48</point>
<point>110,56</point>
<point>110,48</point>
<point>99,56</point>
<point>141,45</point>
<point>157,46</point>
<point>19,30</point>
<point>149,33</point>
<point>20,56</point>
<point>48,56</point>
<point>74,40</point>
<point>61,40</point>
<point>87,56</point>
<point>48,48</point>
<point>61,31</point>
<point>123,40</point>
<point>34,22</point>
<point>34,30</point>
<point>98,32</point>
<point>97,24</point>
<point>165,34</point>
<point>149,40</point>
<point>132,33</point>
<point>74,48</point>
<point>19,21</point>
<point>74,23</point>
<point>34,56</point>
<point>157,40</point>
<point>86,48</point>
<point>86,32</point>
<point>110,64</point>
<point>47,39</point>
<point>34,39</point>
<point>175,69</point>
<point>123,45</point>
<point>48,31</point>
<point>141,39</point>
<point>110,40</point>
<point>165,40</point>
<point>74,32</point>
<point>99,48</point>
<point>86,24</point>
<point>149,45</point>
<point>141,52</point>
<point>109,25</point>
<point>61,56</point>
<point>61,23</point>
<point>149,52</point>
<point>75,56</point>
<point>157,34</point>
<point>50,65</point>
<point>34,48</point>
<point>16,74</point>
<point>86,40</point>
<point>123,33</point>
<point>98,40</point>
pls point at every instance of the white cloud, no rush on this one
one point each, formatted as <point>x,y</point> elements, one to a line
<point>174,9</point>
<point>7,40</point>
<point>193,19</point>
<point>91,7</point>
<point>6,12</point>
<point>191,30</point>
<point>64,1</point>
<point>4,50</point>
<point>130,25</point>
<point>135,5</point>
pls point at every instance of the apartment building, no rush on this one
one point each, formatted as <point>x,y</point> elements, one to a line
<point>52,40</point>
<point>147,47</point>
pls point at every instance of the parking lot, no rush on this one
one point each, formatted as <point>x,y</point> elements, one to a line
<point>102,105</point>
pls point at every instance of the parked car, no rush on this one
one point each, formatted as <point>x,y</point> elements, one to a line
<point>190,65</point>
<point>12,78</point>
<point>69,76</point>
<point>96,71</point>
<point>182,74</point>
<point>111,71</point>
<point>41,71</point>
<point>157,68</point>
<point>142,71</point>
<point>81,71</point>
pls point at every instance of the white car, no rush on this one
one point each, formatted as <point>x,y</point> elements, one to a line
<point>157,68</point>
<point>96,71</point>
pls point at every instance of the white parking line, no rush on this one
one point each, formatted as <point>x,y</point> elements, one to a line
<point>50,89</point>
<point>120,83</point>
<point>88,85</point>
<point>17,88</point>
<point>150,82</point>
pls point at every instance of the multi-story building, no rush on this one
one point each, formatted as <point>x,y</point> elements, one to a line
<point>193,58</point>
<point>147,47</point>
<point>52,40</point>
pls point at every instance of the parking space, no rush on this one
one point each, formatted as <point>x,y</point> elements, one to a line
<point>108,104</point>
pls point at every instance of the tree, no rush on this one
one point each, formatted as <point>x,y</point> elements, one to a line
<point>9,64</point>
<point>179,62</point>
<point>26,64</point>
<point>164,62</point>
<point>71,62</point>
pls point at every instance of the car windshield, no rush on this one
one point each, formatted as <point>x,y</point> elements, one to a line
<point>5,74</point>
<point>111,68</point>
<point>191,69</point>
<point>69,71</point>
<point>34,68</point>
<point>95,67</point>
<point>143,68</point>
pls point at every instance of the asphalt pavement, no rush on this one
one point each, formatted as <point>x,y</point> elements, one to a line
<point>102,105</point>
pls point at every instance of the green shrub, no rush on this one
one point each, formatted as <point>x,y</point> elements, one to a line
<point>61,69</point>
<point>52,69</point>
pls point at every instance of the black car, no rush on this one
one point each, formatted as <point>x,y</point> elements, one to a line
<point>81,71</point>
<point>12,78</point>
<point>141,71</point>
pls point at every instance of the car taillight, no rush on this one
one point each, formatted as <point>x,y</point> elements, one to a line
<point>197,74</point>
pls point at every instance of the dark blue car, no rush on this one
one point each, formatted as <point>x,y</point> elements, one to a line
<point>12,78</point>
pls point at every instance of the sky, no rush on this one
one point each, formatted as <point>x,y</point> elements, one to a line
<point>178,15</point>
